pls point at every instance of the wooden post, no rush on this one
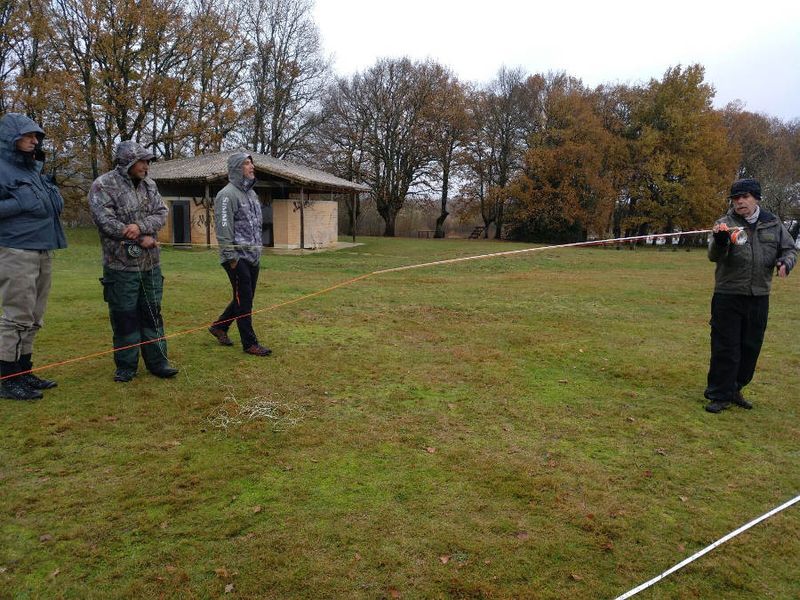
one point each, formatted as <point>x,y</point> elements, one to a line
<point>302,222</point>
<point>207,204</point>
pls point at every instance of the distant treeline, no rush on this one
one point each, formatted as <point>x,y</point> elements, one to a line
<point>528,156</point>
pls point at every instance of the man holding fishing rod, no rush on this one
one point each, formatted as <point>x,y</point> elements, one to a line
<point>748,244</point>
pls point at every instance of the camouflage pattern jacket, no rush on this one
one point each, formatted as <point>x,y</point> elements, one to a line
<point>237,215</point>
<point>114,202</point>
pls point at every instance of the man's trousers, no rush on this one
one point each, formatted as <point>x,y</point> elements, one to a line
<point>134,307</point>
<point>25,277</point>
<point>243,285</point>
<point>738,324</point>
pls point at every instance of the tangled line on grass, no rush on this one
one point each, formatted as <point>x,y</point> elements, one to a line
<point>234,412</point>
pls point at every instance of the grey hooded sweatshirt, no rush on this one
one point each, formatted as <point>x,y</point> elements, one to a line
<point>115,201</point>
<point>30,204</point>
<point>237,215</point>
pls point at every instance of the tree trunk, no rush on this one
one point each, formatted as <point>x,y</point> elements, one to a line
<point>439,233</point>
<point>390,220</point>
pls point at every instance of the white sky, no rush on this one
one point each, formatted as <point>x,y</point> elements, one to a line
<point>751,50</point>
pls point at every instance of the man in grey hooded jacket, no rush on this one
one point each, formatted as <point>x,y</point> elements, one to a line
<point>30,230</point>
<point>237,218</point>
<point>128,211</point>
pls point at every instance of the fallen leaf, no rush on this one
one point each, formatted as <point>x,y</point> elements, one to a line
<point>111,418</point>
<point>576,577</point>
<point>630,419</point>
<point>681,548</point>
<point>394,593</point>
<point>661,451</point>
<point>171,568</point>
<point>683,498</point>
<point>444,559</point>
<point>357,556</point>
<point>257,509</point>
<point>563,381</point>
<point>648,473</point>
<point>590,516</point>
<point>608,546</point>
<point>430,449</point>
<point>222,573</point>
<point>229,588</point>
<point>46,538</point>
<point>522,535</point>
<point>54,574</point>
<point>164,525</point>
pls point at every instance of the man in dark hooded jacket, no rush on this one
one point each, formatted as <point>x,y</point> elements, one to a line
<point>237,217</point>
<point>30,230</point>
<point>128,211</point>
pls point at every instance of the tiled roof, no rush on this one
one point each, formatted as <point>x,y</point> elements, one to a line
<point>212,167</point>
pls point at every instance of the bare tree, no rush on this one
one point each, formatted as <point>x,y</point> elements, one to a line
<point>288,75</point>
<point>394,98</point>
<point>450,122</point>
<point>217,66</point>
<point>501,124</point>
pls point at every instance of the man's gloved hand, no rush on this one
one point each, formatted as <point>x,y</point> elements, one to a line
<point>722,235</point>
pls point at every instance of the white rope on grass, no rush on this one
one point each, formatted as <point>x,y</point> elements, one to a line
<point>708,549</point>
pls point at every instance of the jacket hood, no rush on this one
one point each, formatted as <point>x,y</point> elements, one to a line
<point>127,153</point>
<point>12,127</point>
<point>235,174</point>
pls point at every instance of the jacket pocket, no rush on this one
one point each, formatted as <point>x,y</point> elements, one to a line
<point>55,197</point>
<point>768,243</point>
<point>30,199</point>
<point>108,288</point>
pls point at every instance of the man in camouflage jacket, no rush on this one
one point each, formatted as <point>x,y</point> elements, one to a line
<point>748,245</point>
<point>128,211</point>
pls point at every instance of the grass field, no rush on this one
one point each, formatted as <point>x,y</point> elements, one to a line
<point>525,427</point>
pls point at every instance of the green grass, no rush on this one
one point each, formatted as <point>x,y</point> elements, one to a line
<point>525,427</point>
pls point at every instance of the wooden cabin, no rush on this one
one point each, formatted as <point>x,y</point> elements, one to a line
<point>299,204</point>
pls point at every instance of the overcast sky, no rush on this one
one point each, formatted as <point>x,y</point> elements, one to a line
<point>751,50</point>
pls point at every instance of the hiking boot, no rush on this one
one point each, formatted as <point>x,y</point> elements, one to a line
<point>258,350</point>
<point>15,389</point>
<point>124,375</point>
<point>37,383</point>
<point>221,335</point>
<point>32,381</point>
<point>739,400</point>
<point>717,406</point>
<point>165,372</point>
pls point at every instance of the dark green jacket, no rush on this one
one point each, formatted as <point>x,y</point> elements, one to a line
<point>747,269</point>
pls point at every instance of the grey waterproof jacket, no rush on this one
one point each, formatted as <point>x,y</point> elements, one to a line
<point>747,269</point>
<point>237,215</point>
<point>114,202</point>
<point>30,204</point>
